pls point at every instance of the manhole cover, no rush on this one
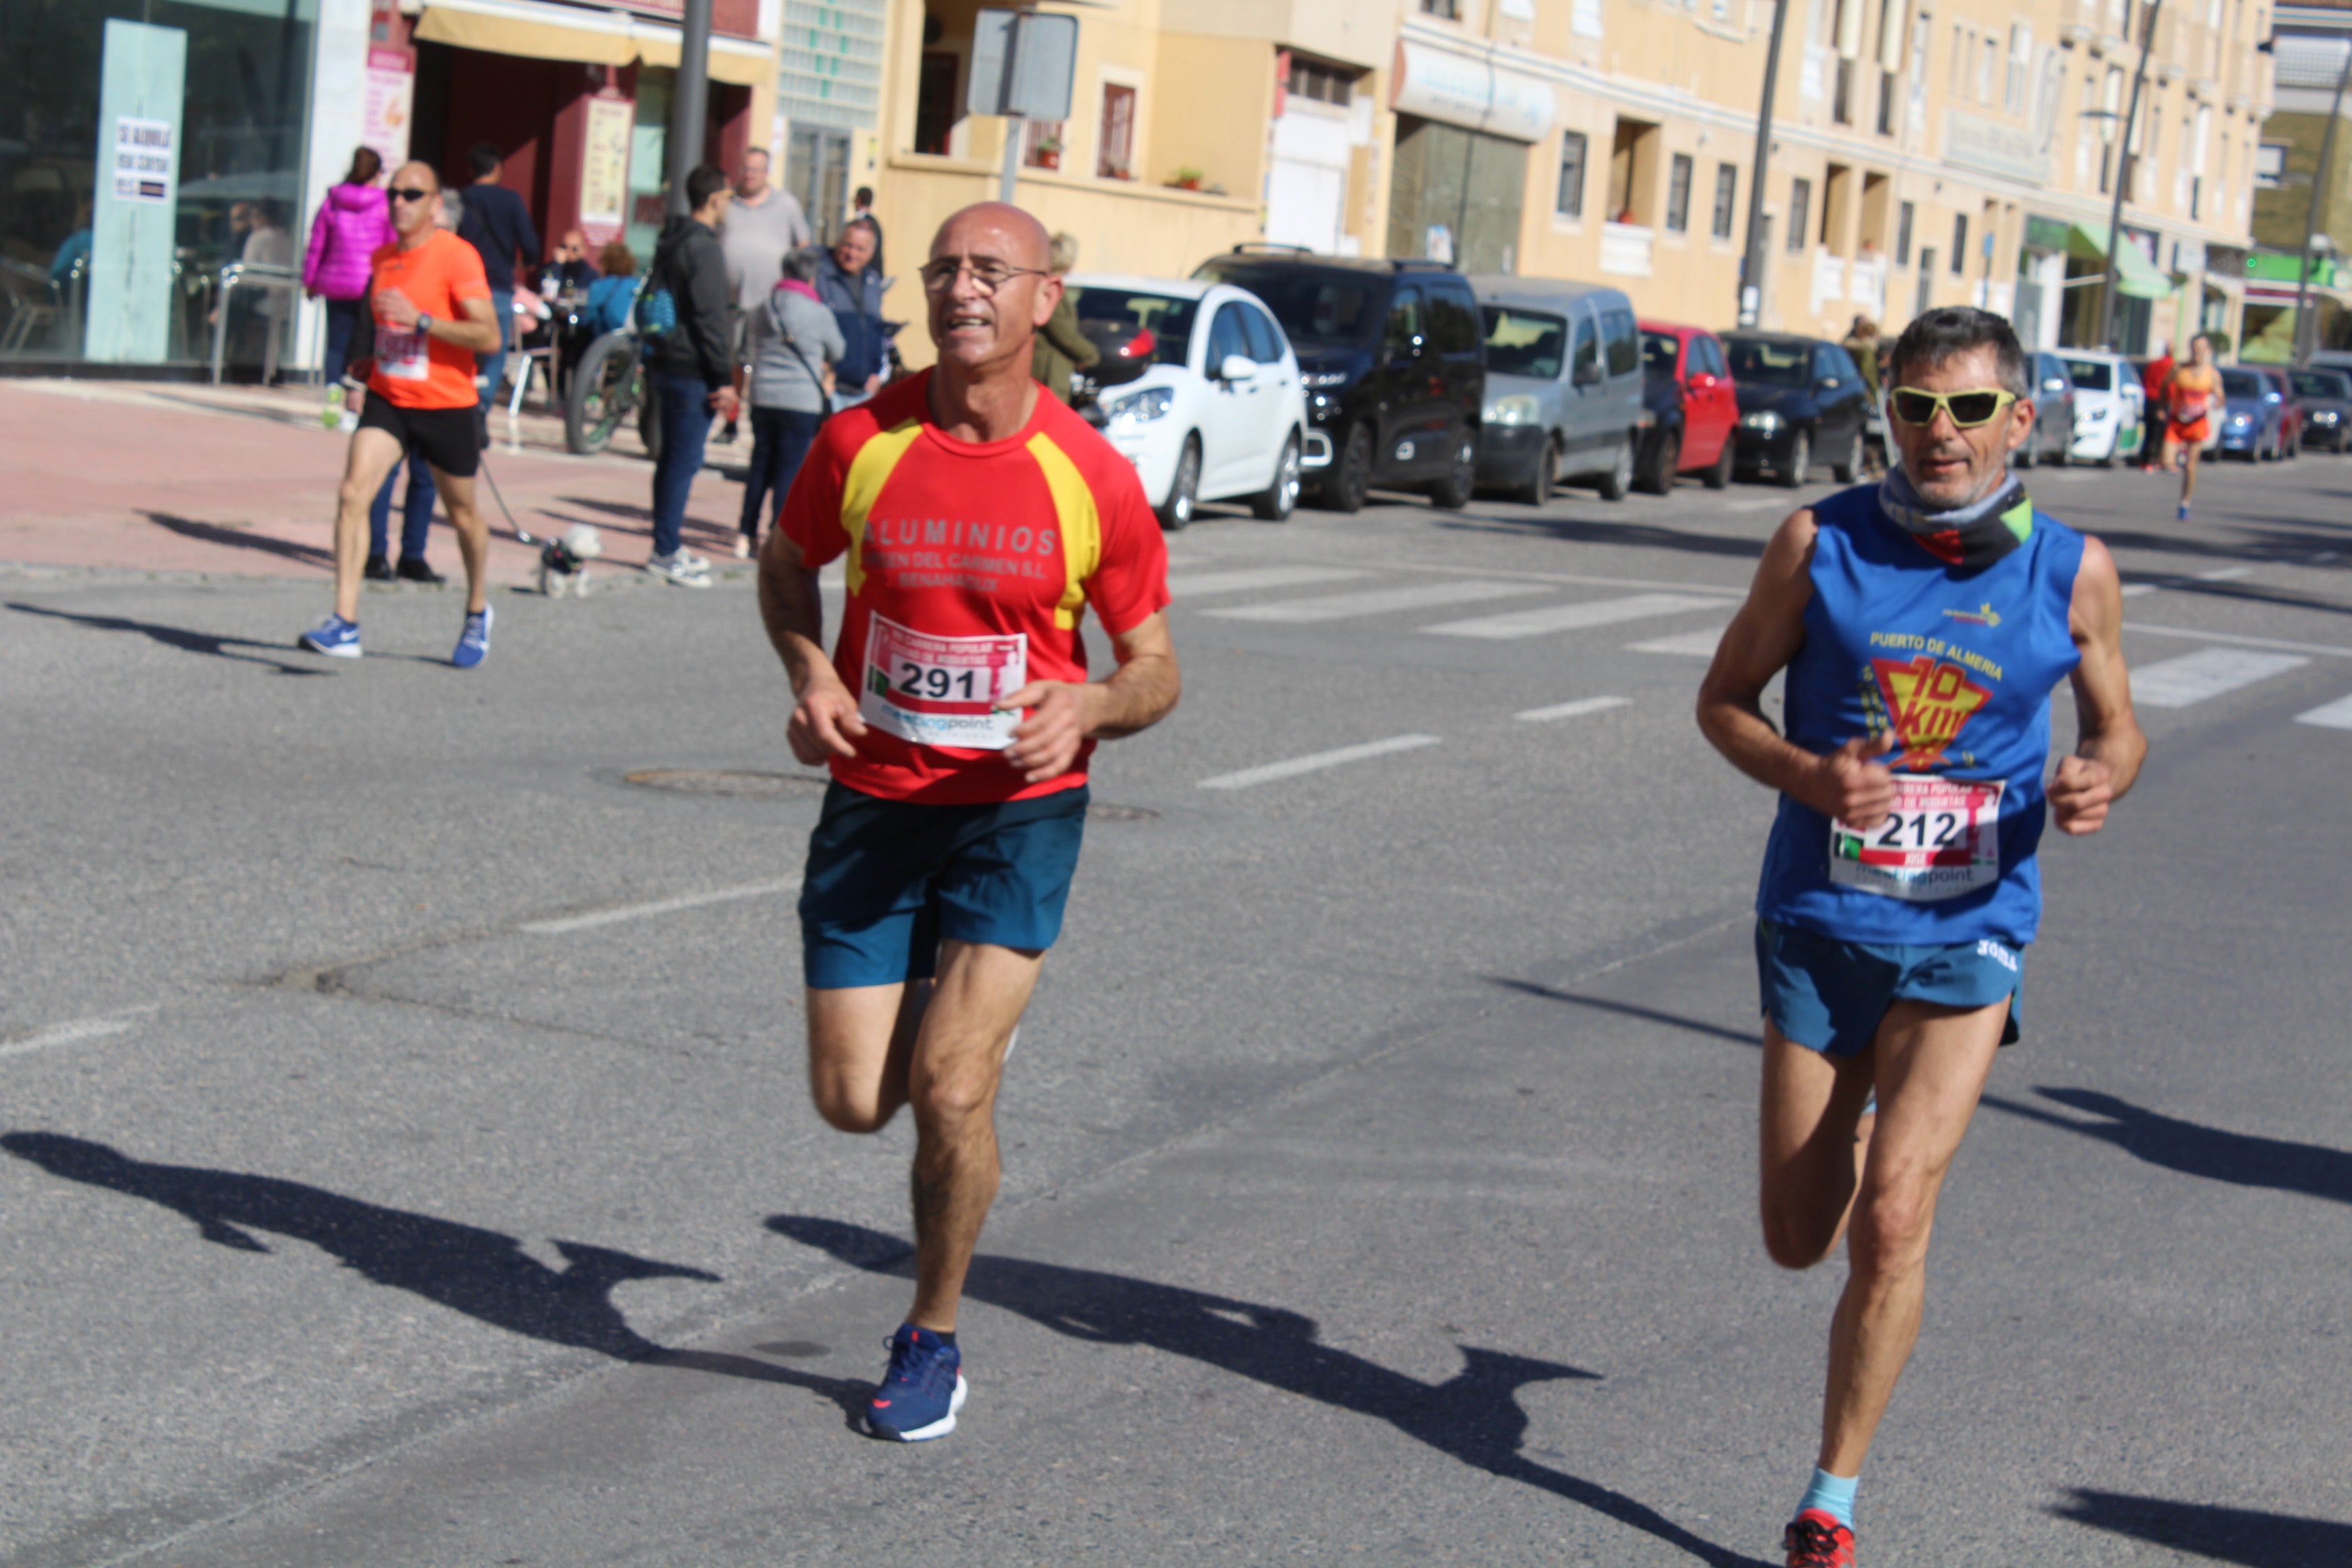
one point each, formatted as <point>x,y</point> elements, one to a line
<point>737,782</point>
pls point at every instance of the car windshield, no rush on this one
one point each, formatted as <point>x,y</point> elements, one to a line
<point>1317,309</point>
<point>2242,383</point>
<point>1168,317</point>
<point>2320,384</point>
<point>2092,375</point>
<point>1770,364</point>
<point>1525,343</point>
<point>1659,351</point>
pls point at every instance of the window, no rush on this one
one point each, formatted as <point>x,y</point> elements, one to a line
<point>1401,335</point>
<point>1959,59</point>
<point>1960,244</point>
<point>1228,337</point>
<point>1266,344</point>
<point>1115,152</point>
<point>1451,10</point>
<point>2020,59</point>
<point>1454,320</point>
<point>1726,199</point>
<point>1707,354</point>
<point>1842,94</point>
<point>937,107</point>
<point>1570,200</point>
<point>1624,343</point>
<point>1888,90</point>
<point>1041,144</point>
<point>1988,62</point>
<point>1169,318</point>
<point>2270,165</point>
<point>1903,221</point>
<point>1587,352</point>
<point>1524,342</point>
<point>1322,83</point>
<point>1678,193</point>
<point>1801,213</point>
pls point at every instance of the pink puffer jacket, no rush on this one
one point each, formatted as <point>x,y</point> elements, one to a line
<point>354,223</point>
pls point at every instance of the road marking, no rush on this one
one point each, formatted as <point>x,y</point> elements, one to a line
<point>1192,585</point>
<point>1573,617</point>
<point>1575,709</point>
<point>658,907</point>
<point>2195,677</point>
<point>2134,590</point>
<point>1699,643</point>
<point>2336,715</point>
<point>75,1030</point>
<point>1308,764</point>
<point>1377,602</point>
<point>2225,574</point>
<point>2331,650</point>
<point>1569,579</point>
<point>1753,505</point>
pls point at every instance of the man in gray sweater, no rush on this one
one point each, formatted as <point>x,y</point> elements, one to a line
<point>794,342</point>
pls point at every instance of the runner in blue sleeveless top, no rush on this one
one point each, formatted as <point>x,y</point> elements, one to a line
<point>1922,623</point>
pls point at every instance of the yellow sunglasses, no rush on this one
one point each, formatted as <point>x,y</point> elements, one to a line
<point>1967,409</point>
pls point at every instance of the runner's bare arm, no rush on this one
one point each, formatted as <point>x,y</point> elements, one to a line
<point>1139,694</point>
<point>825,722</point>
<point>2109,746</point>
<point>1849,784</point>
<point>477,333</point>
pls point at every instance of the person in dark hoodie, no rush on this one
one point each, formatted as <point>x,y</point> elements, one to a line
<point>692,367</point>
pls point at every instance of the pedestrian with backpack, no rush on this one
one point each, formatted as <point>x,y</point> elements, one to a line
<point>691,363</point>
<point>791,334</point>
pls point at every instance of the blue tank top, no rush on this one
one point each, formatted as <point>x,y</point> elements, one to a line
<point>1960,665</point>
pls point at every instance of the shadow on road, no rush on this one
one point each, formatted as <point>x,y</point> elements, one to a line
<point>1636,535</point>
<point>481,1273</point>
<point>1630,1010</point>
<point>2239,1158</point>
<point>2245,1536</point>
<point>1472,1417</point>
<point>175,637</point>
<point>212,533</point>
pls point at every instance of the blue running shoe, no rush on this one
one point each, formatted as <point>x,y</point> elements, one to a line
<point>2184,512</point>
<point>921,1391</point>
<point>334,636</point>
<point>474,642</point>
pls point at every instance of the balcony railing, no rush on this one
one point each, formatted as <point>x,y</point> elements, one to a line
<point>1625,249</point>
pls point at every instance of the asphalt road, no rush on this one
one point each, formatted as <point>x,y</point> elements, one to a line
<point>405,1158</point>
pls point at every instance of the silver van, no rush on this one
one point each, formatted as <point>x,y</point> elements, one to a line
<point>1563,386</point>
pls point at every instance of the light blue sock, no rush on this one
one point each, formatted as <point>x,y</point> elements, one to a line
<point>1833,1495</point>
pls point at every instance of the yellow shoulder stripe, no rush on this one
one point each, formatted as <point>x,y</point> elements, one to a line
<point>1073,503</point>
<point>868,471</point>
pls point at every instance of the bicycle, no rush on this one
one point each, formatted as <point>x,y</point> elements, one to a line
<point>607,385</point>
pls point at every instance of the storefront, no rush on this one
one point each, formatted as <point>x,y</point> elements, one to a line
<point>1459,173</point>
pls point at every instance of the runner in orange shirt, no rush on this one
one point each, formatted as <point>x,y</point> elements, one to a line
<point>2190,394</point>
<point>430,307</point>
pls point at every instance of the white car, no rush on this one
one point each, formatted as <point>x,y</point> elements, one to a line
<point>2110,410</point>
<point>1222,413</point>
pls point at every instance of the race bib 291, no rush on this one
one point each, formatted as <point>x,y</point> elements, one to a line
<point>940,690</point>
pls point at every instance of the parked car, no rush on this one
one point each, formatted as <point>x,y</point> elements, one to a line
<point>1220,413</point>
<point>1799,399</point>
<point>1563,386</point>
<point>2052,440</point>
<point>2110,408</point>
<point>2326,398</point>
<point>2291,423</point>
<point>1688,389</point>
<point>2250,415</point>
<point>1392,361</point>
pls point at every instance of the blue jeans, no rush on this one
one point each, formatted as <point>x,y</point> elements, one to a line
<point>494,365</point>
<point>685,405</point>
<point>780,440</point>
<point>342,317</point>
<point>416,518</point>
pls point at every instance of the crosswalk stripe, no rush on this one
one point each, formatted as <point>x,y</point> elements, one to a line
<point>1573,617</point>
<point>1378,601</point>
<point>1310,763</point>
<point>2195,677</point>
<point>1193,584</point>
<point>1700,644</point>
<point>1576,710</point>
<point>2336,715</point>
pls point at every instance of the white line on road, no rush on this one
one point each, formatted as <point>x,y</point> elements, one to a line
<point>1573,617</point>
<point>2336,715</point>
<point>2134,590</point>
<point>1377,602</point>
<point>2330,650</point>
<point>1575,709</point>
<point>1754,505</point>
<point>1308,764</point>
<point>1699,643</point>
<point>78,1029</point>
<point>1569,579</point>
<point>1192,585</point>
<point>2209,672</point>
<point>2225,574</point>
<point>658,907</point>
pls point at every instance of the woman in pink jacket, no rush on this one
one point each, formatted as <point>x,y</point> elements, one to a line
<point>354,223</point>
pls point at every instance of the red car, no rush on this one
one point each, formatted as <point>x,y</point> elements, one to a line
<point>1686,385</point>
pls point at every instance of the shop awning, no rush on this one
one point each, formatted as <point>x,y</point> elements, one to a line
<point>592,38</point>
<point>2136,274</point>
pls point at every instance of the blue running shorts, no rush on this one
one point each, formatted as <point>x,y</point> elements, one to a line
<point>1831,995</point>
<point>888,880</point>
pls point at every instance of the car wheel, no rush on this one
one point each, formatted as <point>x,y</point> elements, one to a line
<point>1280,499</point>
<point>1718,475</point>
<point>1537,489</point>
<point>1453,492</point>
<point>1618,478</point>
<point>1799,460</point>
<point>1343,487</point>
<point>1850,471</point>
<point>1184,490</point>
<point>1665,461</point>
<point>2064,455</point>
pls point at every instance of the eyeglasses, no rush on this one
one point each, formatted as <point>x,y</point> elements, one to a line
<point>409,194</point>
<point>1967,409</point>
<point>990,275</point>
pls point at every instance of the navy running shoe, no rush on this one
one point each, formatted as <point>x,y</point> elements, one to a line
<point>921,1391</point>
<point>334,636</point>
<point>474,642</point>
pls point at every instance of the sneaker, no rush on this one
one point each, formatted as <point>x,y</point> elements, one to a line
<point>334,636</point>
<point>742,547</point>
<point>377,570</point>
<point>474,642</point>
<point>2184,512</point>
<point>921,1391</point>
<point>413,569</point>
<point>684,569</point>
<point>1816,1539</point>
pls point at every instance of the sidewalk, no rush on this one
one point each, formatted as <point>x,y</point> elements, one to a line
<point>240,482</point>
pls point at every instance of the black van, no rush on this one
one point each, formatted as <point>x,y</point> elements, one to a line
<point>1393,358</point>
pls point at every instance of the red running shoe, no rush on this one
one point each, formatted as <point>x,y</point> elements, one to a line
<point>1816,1539</point>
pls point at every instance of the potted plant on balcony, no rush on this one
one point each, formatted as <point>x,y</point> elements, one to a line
<point>1187,179</point>
<point>1048,153</point>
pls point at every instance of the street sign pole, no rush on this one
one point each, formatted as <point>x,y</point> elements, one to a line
<point>2123,180</point>
<point>689,103</point>
<point>1751,273</point>
<point>1024,64</point>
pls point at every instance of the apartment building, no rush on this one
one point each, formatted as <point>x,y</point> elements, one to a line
<point>2312,42</point>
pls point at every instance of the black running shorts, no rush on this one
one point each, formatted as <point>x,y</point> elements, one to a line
<point>444,438</point>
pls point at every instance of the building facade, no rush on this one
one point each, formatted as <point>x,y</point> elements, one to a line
<point>2311,45</point>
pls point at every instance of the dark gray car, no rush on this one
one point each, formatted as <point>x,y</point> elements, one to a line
<point>2324,395</point>
<point>2052,440</point>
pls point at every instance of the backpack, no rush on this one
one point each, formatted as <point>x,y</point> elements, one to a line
<point>655,311</point>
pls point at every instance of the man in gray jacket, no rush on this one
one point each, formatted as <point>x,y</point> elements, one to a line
<point>692,366</point>
<point>794,343</point>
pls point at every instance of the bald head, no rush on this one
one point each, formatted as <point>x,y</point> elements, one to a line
<point>994,229</point>
<point>984,329</point>
<point>410,218</point>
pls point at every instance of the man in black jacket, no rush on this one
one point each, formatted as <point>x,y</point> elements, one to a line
<point>692,367</point>
<point>499,225</point>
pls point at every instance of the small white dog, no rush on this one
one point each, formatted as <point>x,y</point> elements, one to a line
<point>564,562</point>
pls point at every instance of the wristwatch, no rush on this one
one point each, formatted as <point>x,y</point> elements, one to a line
<point>423,325</point>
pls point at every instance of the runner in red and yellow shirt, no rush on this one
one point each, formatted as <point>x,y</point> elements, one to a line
<point>981,522</point>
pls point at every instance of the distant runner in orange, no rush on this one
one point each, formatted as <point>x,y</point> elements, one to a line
<point>2191,398</point>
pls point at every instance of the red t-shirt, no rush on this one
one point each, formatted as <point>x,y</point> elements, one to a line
<point>970,565</point>
<point>412,369</point>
